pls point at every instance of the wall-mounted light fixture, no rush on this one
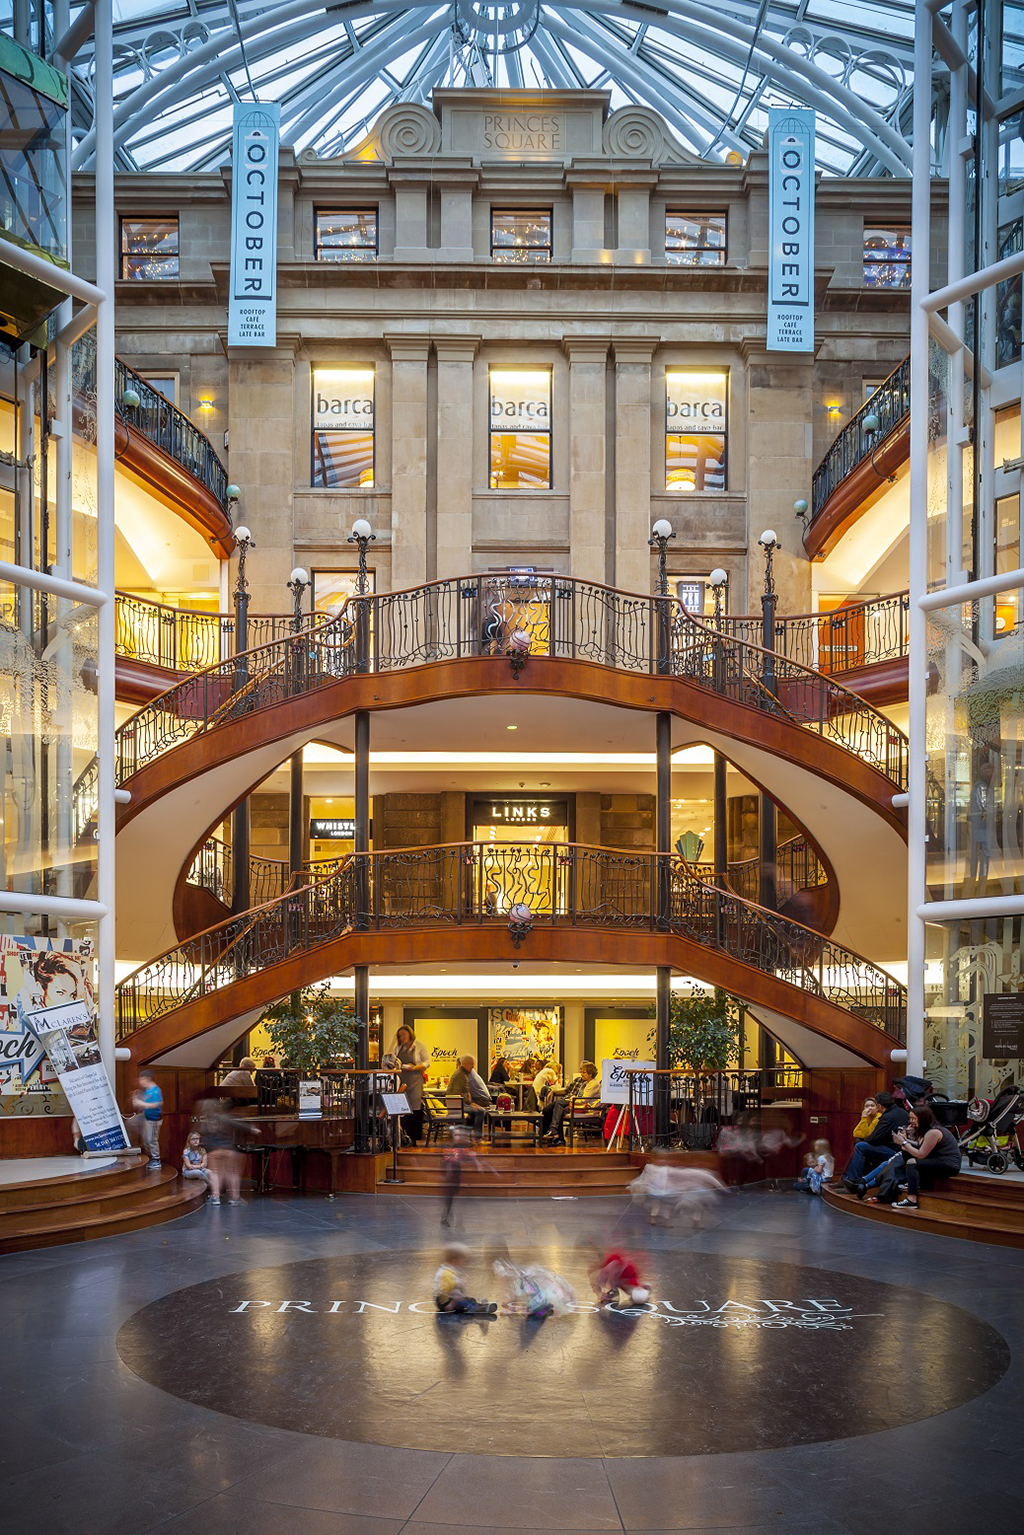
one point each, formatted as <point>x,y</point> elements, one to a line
<point>206,402</point>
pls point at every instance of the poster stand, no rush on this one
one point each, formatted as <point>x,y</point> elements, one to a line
<point>395,1105</point>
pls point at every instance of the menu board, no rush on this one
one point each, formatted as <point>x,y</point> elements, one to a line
<point>1002,1026</point>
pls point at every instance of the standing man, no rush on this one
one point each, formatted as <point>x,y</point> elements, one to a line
<point>467,1083</point>
<point>149,1101</point>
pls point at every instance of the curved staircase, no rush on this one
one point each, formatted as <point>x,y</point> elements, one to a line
<point>972,1206</point>
<point>97,1202</point>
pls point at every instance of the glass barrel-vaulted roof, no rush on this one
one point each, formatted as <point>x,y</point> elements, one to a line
<point>710,69</point>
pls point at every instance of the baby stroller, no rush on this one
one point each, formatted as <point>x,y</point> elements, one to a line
<point>913,1090</point>
<point>992,1119</point>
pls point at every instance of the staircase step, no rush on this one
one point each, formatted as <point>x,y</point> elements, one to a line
<point>172,1198</point>
<point>568,1189</point>
<point>139,1188</point>
<point>541,1178</point>
<point>941,1215</point>
<point>37,1192</point>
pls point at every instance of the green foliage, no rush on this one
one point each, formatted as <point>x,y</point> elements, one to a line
<point>703,1031</point>
<point>319,1034</point>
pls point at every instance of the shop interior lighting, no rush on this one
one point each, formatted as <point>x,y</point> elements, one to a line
<point>320,754</point>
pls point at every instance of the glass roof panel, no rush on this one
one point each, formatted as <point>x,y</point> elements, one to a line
<point>713,68</point>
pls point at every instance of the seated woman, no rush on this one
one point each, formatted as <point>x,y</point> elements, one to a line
<point>866,1125</point>
<point>586,1086</point>
<point>929,1150</point>
<point>499,1071</point>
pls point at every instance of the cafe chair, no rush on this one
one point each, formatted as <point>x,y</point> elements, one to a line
<point>434,1124</point>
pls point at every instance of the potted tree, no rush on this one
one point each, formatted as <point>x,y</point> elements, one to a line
<point>312,1030</point>
<point>703,1037</point>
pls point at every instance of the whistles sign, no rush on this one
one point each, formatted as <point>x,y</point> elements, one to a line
<point>252,308</point>
<point>791,220</point>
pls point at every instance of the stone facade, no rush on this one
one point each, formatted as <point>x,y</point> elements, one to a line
<point>433,312</point>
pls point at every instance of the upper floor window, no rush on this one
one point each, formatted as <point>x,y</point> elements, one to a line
<point>521,235</point>
<point>520,429</point>
<point>887,256</point>
<point>697,596</point>
<point>695,239</point>
<point>149,249</point>
<point>346,234</point>
<point>696,430</point>
<point>343,434</point>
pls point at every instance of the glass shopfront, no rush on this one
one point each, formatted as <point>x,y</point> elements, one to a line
<point>332,828</point>
<point>521,864</point>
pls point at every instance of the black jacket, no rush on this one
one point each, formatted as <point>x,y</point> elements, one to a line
<point>892,1119</point>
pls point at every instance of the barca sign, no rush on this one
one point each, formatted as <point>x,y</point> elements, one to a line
<point>791,221</point>
<point>252,307</point>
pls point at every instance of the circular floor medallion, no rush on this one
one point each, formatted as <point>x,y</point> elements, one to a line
<point>732,1355</point>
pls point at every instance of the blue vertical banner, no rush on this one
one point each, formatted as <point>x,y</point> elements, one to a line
<point>252,307</point>
<point>791,229</point>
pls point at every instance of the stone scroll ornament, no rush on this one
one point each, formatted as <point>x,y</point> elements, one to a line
<point>637,133</point>
<point>408,130</point>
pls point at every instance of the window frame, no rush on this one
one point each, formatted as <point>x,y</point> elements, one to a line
<point>673,252</point>
<point>499,255</point>
<point>707,608</point>
<point>726,374</point>
<point>868,263</point>
<point>341,490</point>
<point>126,255</point>
<point>361,260</point>
<point>518,490</point>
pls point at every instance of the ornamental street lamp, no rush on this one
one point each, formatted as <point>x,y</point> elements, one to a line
<point>661,533</point>
<point>769,543</point>
<point>362,535</point>
<point>717,580</point>
<point>244,541</point>
<point>297,586</point>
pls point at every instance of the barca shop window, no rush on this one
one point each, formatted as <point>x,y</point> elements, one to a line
<point>520,429</point>
<point>696,432</point>
<point>343,401</point>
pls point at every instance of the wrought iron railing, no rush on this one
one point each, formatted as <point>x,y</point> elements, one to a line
<point>155,417</point>
<point>840,641</point>
<point>212,869</point>
<point>479,884</point>
<point>797,867</point>
<point>188,640</point>
<point>471,617</point>
<point>890,402</point>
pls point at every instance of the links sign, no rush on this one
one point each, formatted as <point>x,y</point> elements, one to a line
<point>252,307</point>
<point>791,220</point>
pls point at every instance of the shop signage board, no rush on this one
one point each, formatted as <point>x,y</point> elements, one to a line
<point>67,1032</point>
<point>791,229</point>
<point>621,1039</point>
<point>343,400</point>
<point>615,1081</point>
<point>339,829</point>
<point>252,305</point>
<point>1002,1026</point>
<point>520,400</point>
<point>521,812</point>
<point>448,1039</point>
<point>695,403</point>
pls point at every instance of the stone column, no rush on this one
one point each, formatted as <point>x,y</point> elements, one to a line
<point>457,216</point>
<point>634,203</point>
<point>408,459</point>
<point>261,423</point>
<point>411,217</point>
<point>632,572</point>
<point>780,463</point>
<point>587,216</point>
<point>587,454</point>
<point>455,441</point>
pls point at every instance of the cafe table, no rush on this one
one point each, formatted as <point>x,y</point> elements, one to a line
<point>506,1122</point>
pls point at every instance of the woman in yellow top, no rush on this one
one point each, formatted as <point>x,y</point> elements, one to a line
<point>870,1114</point>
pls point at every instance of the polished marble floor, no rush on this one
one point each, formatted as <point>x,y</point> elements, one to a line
<point>101,1431</point>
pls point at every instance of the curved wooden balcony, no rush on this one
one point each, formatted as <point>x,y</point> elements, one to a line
<point>863,645</point>
<point>853,473</point>
<point>418,905</point>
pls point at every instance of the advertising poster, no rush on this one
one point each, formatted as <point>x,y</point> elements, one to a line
<point>67,1032</point>
<point>448,1040</point>
<point>615,1082</point>
<point>252,306</point>
<point>621,1039</point>
<point>519,1032</point>
<point>34,973</point>
<point>791,229</point>
<point>311,1099</point>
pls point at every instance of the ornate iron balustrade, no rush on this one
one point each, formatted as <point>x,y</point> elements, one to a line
<point>470,617</point>
<point>212,869</point>
<point>841,641</point>
<point>478,884</point>
<point>890,402</point>
<point>155,417</point>
<point>188,640</point>
<point>797,865</point>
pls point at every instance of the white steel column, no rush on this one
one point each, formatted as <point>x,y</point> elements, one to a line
<point>105,275</point>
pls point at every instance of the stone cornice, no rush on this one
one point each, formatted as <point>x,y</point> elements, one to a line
<point>456,348</point>
<point>635,349</point>
<point>404,348</point>
<point>586,348</point>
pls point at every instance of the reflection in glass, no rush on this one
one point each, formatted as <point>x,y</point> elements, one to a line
<point>348,234</point>
<point>149,249</point>
<point>521,235</point>
<point>695,239</point>
<point>33,206</point>
<point>887,257</point>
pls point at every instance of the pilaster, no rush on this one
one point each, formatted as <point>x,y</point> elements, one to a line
<point>455,438</point>
<point>588,356</point>
<point>634,220</point>
<point>408,459</point>
<point>633,357</point>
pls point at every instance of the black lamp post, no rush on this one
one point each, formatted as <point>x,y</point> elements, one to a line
<point>297,586</point>
<point>244,541</point>
<point>768,838</point>
<point>661,533</point>
<point>362,535</point>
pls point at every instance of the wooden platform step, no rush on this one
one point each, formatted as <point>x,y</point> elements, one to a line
<point>970,1208</point>
<point>103,1203</point>
<point>518,1173</point>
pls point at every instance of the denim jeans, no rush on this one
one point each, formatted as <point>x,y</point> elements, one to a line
<point>866,1159</point>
